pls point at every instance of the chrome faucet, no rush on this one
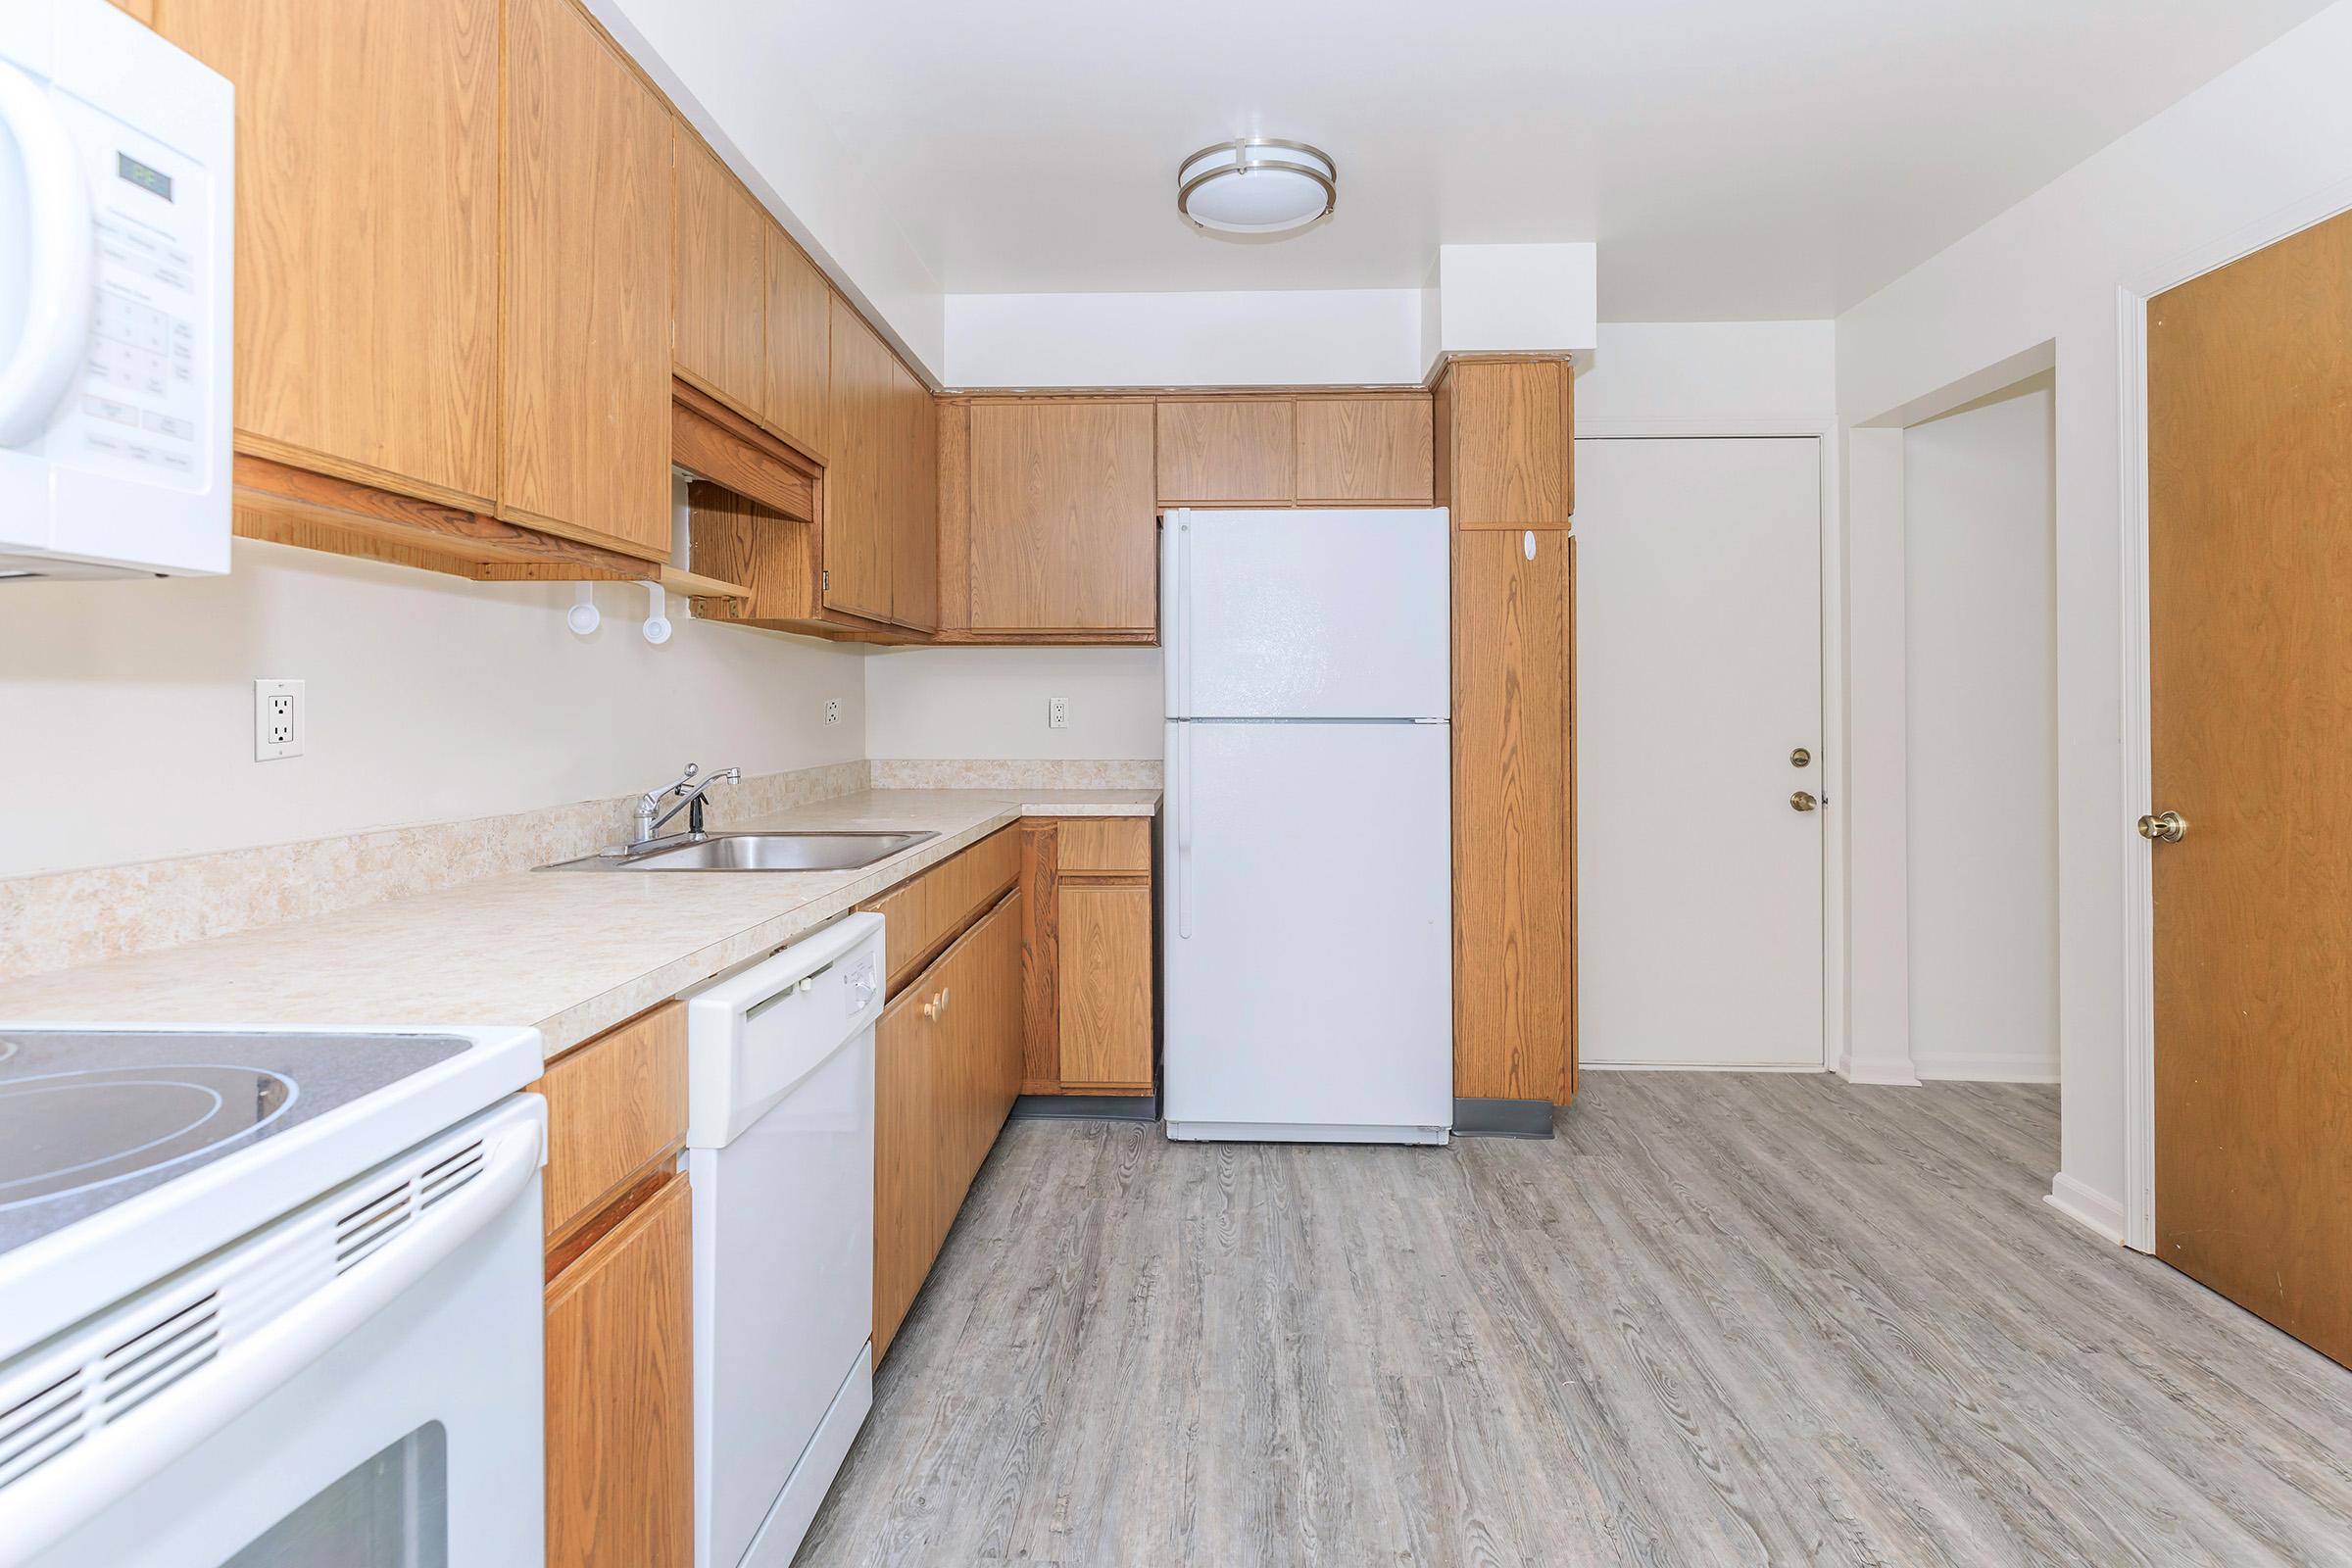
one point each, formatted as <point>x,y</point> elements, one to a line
<point>651,817</point>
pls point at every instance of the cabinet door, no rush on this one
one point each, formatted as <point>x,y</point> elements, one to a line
<point>1505,443</point>
<point>799,354</point>
<point>907,1156</point>
<point>1514,806</point>
<point>719,279</point>
<point>367,334</point>
<point>980,978</point>
<point>1364,451</point>
<point>1105,986</point>
<point>1226,450</point>
<point>1063,534</point>
<point>620,1395</point>
<point>858,540</point>
<point>914,502</point>
<point>586,341</point>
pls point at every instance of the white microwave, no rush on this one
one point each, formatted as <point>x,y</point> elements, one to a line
<point>117,218</point>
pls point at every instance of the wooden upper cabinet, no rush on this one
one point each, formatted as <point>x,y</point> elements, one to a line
<point>720,277</point>
<point>1227,451</point>
<point>1063,534</point>
<point>794,390</point>
<point>914,502</point>
<point>1505,445</point>
<point>367,333</point>
<point>860,543</point>
<point>586,357</point>
<point>1364,452</point>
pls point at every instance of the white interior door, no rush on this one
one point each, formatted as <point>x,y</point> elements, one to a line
<point>1698,673</point>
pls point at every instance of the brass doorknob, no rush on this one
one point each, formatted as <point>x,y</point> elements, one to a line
<point>2168,828</point>
<point>1803,801</point>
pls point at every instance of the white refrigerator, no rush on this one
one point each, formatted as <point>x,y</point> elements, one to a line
<point>1307,894</point>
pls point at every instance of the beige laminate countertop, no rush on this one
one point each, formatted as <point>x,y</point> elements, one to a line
<point>569,953</point>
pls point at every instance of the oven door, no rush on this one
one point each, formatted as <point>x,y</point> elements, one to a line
<point>412,1440</point>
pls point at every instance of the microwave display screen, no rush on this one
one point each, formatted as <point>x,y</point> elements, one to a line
<point>139,175</point>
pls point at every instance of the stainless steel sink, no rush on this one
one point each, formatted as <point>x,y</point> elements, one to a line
<point>843,850</point>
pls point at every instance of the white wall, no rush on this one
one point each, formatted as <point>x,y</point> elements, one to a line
<point>1982,702</point>
<point>1708,378</point>
<point>2271,133</point>
<point>127,707</point>
<point>989,703</point>
<point>1209,340</point>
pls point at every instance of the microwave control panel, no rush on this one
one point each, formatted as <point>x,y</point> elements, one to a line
<point>138,407</point>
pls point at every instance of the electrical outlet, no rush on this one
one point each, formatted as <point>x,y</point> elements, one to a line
<point>279,722</point>
<point>832,710</point>
<point>1058,712</point>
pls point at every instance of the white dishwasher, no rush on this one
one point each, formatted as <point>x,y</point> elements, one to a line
<point>780,1147</point>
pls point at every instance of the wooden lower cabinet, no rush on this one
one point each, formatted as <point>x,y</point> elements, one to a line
<point>620,1394</point>
<point>1090,991</point>
<point>947,1069</point>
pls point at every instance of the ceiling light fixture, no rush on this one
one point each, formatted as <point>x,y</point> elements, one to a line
<point>1258,186</point>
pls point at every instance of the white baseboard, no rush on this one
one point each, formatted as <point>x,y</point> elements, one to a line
<point>1894,1074</point>
<point>2023,1068</point>
<point>1701,1067</point>
<point>2094,1210</point>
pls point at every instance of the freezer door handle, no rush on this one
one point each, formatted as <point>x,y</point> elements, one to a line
<point>1184,615</point>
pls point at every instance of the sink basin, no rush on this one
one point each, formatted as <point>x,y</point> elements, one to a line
<point>845,850</point>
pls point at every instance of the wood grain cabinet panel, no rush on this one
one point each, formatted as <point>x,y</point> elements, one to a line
<point>1107,844</point>
<point>367,235</point>
<point>1364,452</point>
<point>1514,829</point>
<point>907,1159</point>
<point>1105,986</point>
<point>1505,444</point>
<point>614,1106</point>
<point>1063,534</point>
<point>914,510</point>
<point>620,1395</point>
<point>859,542</point>
<point>799,326</point>
<point>720,279</point>
<point>585,355</point>
<point>1225,451</point>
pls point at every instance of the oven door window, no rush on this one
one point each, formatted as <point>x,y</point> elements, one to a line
<point>390,1512</point>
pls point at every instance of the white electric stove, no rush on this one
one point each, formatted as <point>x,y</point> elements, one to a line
<point>269,1295</point>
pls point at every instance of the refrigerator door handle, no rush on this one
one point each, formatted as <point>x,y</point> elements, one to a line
<point>1183,869</point>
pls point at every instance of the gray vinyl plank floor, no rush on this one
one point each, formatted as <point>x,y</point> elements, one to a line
<point>1718,1319</point>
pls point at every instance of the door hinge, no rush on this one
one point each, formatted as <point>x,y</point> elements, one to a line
<point>824,581</point>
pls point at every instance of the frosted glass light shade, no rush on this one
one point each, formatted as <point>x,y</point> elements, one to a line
<point>1257,186</point>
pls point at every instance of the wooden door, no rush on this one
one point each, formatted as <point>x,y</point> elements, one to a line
<point>2249,577</point>
<point>907,1156</point>
<point>720,281</point>
<point>620,1395</point>
<point>1105,986</point>
<point>1225,452</point>
<point>798,333</point>
<point>1356,452</point>
<point>859,536</point>
<point>1505,447</point>
<point>1064,530</point>
<point>366,341</point>
<point>1514,900</point>
<point>586,353</point>
<point>914,502</point>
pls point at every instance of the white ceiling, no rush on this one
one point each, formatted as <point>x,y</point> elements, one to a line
<point>1737,159</point>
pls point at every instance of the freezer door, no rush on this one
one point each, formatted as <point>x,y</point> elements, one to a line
<point>1305,614</point>
<point>1308,924</point>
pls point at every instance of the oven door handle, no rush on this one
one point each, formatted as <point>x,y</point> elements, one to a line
<point>107,1464</point>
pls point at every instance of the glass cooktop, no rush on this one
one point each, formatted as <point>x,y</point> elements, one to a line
<point>88,1119</point>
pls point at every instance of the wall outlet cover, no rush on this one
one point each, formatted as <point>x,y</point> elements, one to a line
<point>832,710</point>
<point>279,724</point>
<point>1058,712</point>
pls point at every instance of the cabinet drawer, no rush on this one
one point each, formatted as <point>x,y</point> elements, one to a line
<point>921,916</point>
<point>614,1107</point>
<point>1104,844</point>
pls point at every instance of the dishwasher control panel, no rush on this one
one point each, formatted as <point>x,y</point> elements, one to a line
<point>752,1035</point>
